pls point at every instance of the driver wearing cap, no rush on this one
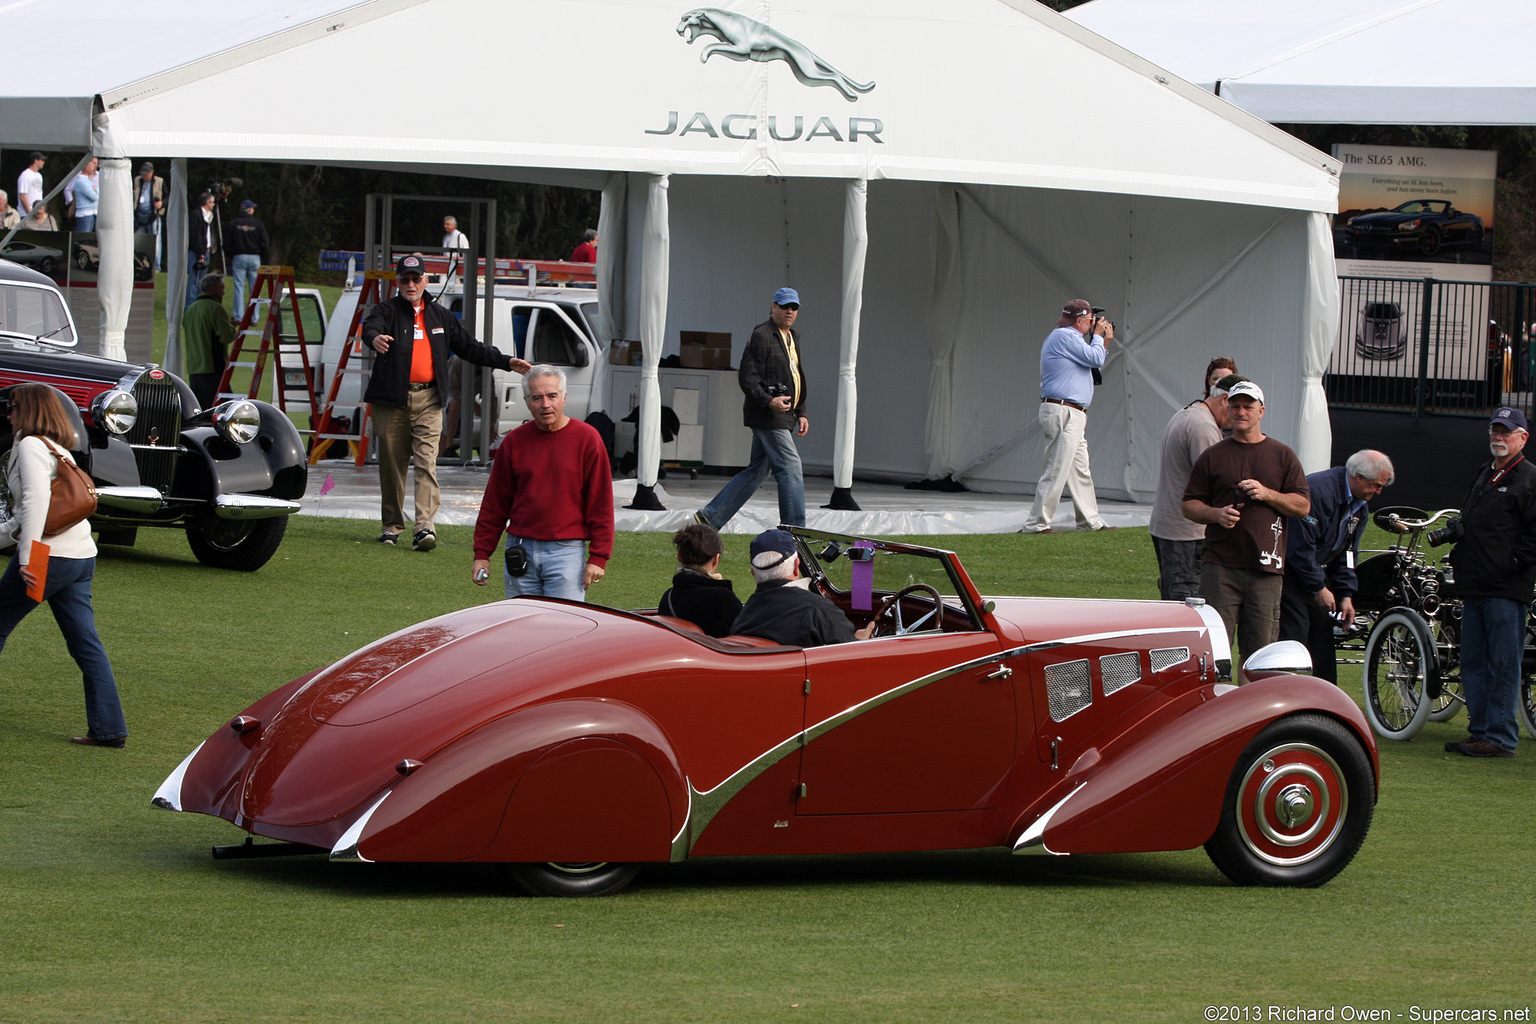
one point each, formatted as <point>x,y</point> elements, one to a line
<point>783,608</point>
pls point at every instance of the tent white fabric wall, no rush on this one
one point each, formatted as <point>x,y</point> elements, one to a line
<point>1340,61</point>
<point>1190,216</point>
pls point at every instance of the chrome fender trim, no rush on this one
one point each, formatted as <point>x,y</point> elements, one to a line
<point>168,796</point>
<point>139,500</point>
<point>346,846</point>
<point>251,506</point>
<point>1033,839</point>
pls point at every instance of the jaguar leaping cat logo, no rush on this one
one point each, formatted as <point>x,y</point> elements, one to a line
<point>743,38</point>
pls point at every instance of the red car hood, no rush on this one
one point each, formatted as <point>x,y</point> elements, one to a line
<point>338,739</point>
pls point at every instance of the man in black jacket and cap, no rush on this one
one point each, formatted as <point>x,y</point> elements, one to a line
<point>773,381</point>
<point>783,608</point>
<point>413,336</point>
<point>1495,563</point>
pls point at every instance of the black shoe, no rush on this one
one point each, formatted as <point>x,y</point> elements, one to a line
<point>451,453</point>
<point>424,540</point>
<point>389,538</point>
<point>117,744</point>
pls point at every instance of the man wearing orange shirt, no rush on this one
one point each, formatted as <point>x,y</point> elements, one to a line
<point>412,336</point>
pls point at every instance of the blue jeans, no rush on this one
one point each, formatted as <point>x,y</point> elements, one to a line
<point>68,593</point>
<point>243,269</point>
<point>1492,644</point>
<point>555,569</point>
<point>194,277</point>
<point>772,450</point>
<point>85,222</point>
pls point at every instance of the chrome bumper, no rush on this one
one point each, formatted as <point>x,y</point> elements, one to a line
<point>134,500</point>
<point>251,506</point>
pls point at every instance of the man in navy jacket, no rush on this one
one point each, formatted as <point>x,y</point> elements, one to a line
<point>1321,550</point>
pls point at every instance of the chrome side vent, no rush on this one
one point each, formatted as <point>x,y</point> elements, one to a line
<point>1067,688</point>
<point>156,436</point>
<point>1117,671</point>
<point>1167,657</point>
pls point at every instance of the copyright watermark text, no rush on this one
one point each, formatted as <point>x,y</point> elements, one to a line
<point>1252,1012</point>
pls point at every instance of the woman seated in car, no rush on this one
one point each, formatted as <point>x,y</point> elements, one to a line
<point>698,593</point>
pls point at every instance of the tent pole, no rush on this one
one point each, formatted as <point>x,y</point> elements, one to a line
<point>655,256</point>
<point>855,248</point>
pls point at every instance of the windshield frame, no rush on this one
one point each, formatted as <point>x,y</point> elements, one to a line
<point>811,542</point>
<point>17,335</point>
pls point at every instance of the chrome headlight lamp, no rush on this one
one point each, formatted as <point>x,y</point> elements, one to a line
<point>115,411</point>
<point>238,421</point>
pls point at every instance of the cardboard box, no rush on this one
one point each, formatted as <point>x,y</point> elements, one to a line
<point>626,353</point>
<point>702,350</point>
<point>685,402</point>
<point>690,443</point>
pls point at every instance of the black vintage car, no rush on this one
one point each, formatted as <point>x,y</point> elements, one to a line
<point>229,476</point>
<point>1425,225</point>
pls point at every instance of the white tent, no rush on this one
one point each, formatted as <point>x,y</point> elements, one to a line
<point>980,164</point>
<point>1340,61</point>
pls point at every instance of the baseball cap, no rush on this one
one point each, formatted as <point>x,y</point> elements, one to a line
<point>247,204</point>
<point>783,297</point>
<point>1513,419</point>
<point>771,543</point>
<point>1244,389</point>
<point>409,265</point>
<point>1072,310</point>
<point>146,167</point>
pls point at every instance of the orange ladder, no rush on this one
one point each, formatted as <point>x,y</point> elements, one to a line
<point>270,280</point>
<point>377,286</point>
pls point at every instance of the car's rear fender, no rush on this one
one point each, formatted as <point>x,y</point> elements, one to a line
<point>1164,791</point>
<point>569,780</point>
<point>210,780</point>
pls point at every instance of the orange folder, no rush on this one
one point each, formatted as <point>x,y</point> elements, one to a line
<point>37,565</point>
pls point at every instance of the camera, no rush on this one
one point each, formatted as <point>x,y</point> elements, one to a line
<point>1098,315</point>
<point>1450,533</point>
<point>222,188</point>
<point>777,390</point>
<point>517,560</point>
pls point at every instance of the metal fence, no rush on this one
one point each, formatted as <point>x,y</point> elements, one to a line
<point>1432,347</point>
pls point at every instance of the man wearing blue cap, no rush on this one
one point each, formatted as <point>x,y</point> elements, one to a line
<point>773,381</point>
<point>1495,563</point>
<point>783,608</point>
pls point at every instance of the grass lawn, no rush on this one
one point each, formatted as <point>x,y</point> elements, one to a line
<point>111,910</point>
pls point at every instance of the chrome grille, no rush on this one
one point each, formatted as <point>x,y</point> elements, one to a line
<point>1117,671</point>
<point>156,435</point>
<point>1067,689</point>
<point>1168,657</point>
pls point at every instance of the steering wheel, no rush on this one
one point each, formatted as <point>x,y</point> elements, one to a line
<point>888,616</point>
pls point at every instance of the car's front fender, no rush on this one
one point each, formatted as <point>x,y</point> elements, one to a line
<point>1165,791</point>
<point>274,464</point>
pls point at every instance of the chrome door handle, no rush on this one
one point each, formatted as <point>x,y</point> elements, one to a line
<point>1002,673</point>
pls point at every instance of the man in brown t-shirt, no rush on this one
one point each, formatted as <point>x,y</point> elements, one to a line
<point>1243,489</point>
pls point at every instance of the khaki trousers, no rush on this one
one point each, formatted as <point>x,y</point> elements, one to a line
<point>411,433</point>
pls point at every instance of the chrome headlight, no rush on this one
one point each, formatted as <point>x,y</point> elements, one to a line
<point>238,421</point>
<point>115,411</point>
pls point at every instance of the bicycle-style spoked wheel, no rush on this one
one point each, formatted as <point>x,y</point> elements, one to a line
<point>1399,656</point>
<point>1525,705</point>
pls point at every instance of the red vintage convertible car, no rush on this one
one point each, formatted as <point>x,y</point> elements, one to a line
<point>574,743</point>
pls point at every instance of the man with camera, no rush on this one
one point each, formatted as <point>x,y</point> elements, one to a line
<point>1243,490</point>
<point>1070,360</point>
<point>1320,553</point>
<point>773,380</point>
<point>551,493</point>
<point>1495,563</point>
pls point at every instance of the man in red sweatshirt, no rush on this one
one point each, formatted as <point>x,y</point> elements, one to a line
<point>551,493</point>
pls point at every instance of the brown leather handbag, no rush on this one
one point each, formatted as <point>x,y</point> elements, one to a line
<point>73,495</point>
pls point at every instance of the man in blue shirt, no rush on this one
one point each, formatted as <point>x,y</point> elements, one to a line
<point>1320,554</point>
<point>1068,359</point>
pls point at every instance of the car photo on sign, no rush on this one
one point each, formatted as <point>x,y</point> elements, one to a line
<point>1421,227</point>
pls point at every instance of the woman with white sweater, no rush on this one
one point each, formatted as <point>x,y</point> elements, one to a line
<point>40,427</point>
